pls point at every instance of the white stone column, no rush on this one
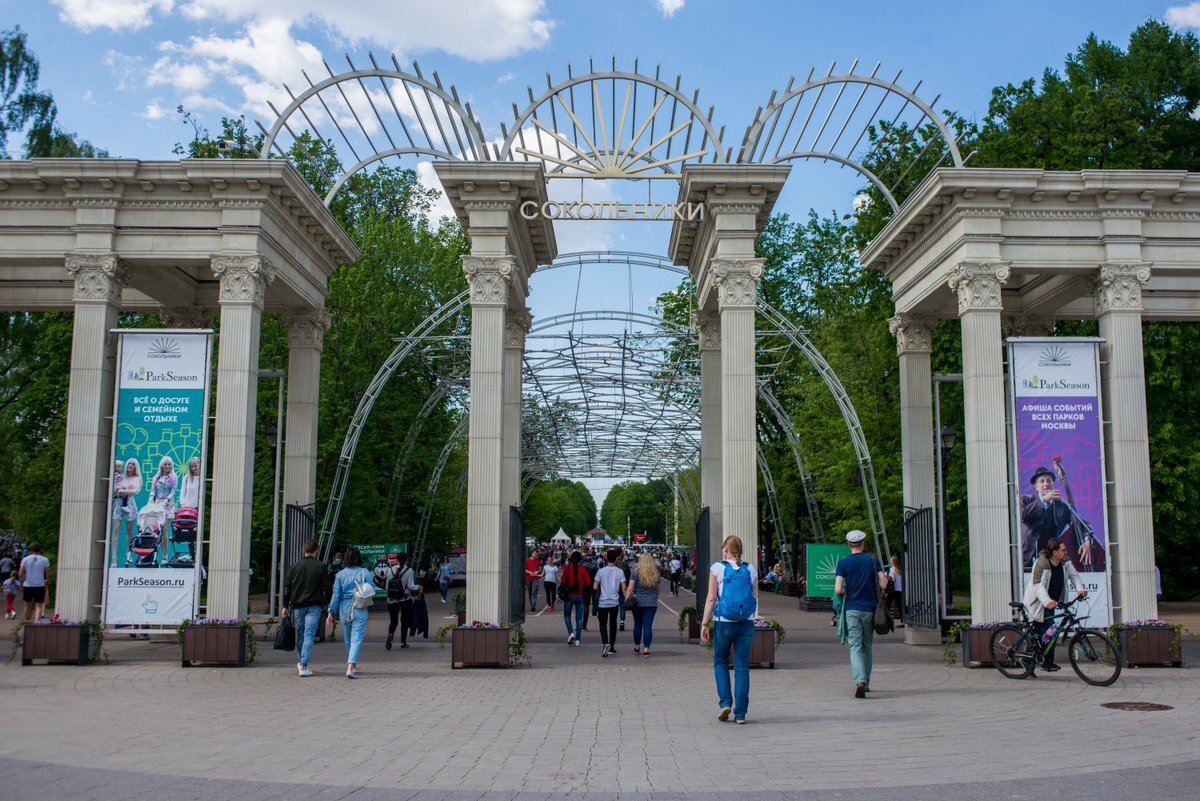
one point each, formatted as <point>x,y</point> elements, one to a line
<point>979,308</point>
<point>914,344</point>
<point>737,300</point>
<point>487,595</point>
<point>516,326</point>
<point>306,329</point>
<point>1118,298</point>
<point>708,331</point>
<point>244,280</point>
<point>86,467</point>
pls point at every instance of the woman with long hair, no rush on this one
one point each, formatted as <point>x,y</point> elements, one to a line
<point>126,487</point>
<point>577,581</point>
<point>354,621</point>
<point>189,486</point>
<point>162,490</point>
<point>730,608</point>
<point>895,596</point>
<point>644,587</point>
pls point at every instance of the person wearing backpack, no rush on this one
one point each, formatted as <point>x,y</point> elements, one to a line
<point>402,590</point>
<point>573,584</point>
<point>353,595</point>
<point>730,608</point>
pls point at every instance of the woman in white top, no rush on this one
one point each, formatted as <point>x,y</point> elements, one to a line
<point>550,581</point>
<point>895,596</point>
<point>730,608</point>
<point>189,487</point>
<point>125,488</point>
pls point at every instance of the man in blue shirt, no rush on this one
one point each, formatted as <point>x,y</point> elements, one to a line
<point>857,577</point>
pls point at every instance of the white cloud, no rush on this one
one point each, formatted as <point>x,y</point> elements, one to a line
<point>115,15</point>
<point>669,7</point>
<point>428,178</point>
<point>1183,16</point>
<point>506,77</point>
<point>129,70</point>
<point>154,111</point>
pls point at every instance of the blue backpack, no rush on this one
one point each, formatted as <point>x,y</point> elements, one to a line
<point>737,594</point>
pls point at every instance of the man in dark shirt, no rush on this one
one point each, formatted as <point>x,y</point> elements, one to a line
<point>305,593</point>
<point>857,578</point>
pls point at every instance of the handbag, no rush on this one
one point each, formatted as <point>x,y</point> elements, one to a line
<point>285,635</point>
<point>630,603</point>
<point>883,619</point>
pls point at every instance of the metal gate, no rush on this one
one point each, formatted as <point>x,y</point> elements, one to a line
<point>516,566</point>
<point>920,569</point>
<point>703,560</point>
<point>299,526</point>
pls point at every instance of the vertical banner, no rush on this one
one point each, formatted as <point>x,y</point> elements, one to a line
<point>1060,459</point>
<point>157,492</point>
<point>821,567</point>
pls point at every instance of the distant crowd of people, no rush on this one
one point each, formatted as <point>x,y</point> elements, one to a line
<point>26,572</point>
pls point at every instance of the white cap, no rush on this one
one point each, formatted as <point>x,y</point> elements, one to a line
<point>856,536</point>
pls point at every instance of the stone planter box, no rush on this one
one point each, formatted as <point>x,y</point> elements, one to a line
<point>56,644</point>
<point>976,647</point>
<point>223,646</point>
<point>692,628</point>
<point>479,648</point>
<point>1149,646</point>
<point>762,650</point>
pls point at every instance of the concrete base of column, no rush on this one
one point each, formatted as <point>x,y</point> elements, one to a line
<point>921,636</point>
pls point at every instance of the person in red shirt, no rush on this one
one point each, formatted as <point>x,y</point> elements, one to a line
<point>576,579</point>
<point>533,578</point>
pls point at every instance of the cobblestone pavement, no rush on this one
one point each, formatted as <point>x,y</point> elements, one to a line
<point>571,722</point>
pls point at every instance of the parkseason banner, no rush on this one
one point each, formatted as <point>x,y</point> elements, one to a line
<point>157,490</point>
<point>1060,459</point>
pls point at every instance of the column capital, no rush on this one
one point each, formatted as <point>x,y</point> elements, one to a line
<point>244,279</point>
<point>489,277</point>
<point>978,285</point>
<point>707,327</point>
<point>187,316</point>
<point>1027,325</point>
<point>913,334</point>
<point>517,323</point>
<point>98,277</point>
<point>737,282</point>
<point>1118,287</point>
<point>306,327</point>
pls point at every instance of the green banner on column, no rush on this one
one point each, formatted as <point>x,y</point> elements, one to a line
<point>157,491</point>
<point>821,564</point>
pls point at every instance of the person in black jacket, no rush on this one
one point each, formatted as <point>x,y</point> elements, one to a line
<point>305,593</point>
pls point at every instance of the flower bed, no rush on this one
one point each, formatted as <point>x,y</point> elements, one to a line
<point>221,643</point>
<point>767,634</point>
<point>58,641</point>
<point>483,644</point>
<point>975,643</point>
<point>1149,643</point>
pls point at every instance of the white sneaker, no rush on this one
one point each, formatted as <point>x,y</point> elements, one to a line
<point>607,650</point>
<point>578,643</point>
<point>351,673</point>
<point>570,639</point>
<point>305,672</point>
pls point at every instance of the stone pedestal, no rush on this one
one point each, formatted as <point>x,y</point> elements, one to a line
<point>978,289</point>
<point>244,280</point>
<point>87,470</point>
<point>1118,293</point>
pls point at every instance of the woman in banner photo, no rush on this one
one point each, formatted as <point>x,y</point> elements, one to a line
<point>189,487</point>
<point>126,486</point>
<point>162,492</point>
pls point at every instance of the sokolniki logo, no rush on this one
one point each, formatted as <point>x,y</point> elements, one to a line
<point>164,348</point>
<point>1054,356</point>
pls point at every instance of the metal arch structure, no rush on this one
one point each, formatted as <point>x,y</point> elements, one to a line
<point>439,126</point>
<point>842,148</point>
<point>610,149</point>
<point>679,448</point>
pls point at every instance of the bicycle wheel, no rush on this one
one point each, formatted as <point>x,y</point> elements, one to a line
<point>1010,650</point>
<point>1094,658</point>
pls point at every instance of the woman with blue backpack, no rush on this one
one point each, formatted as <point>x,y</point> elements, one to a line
<point>353,596</point>
<point>730,608</point>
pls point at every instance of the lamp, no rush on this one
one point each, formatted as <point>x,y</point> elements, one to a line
<point>272,436</point>
<point>948,437</point>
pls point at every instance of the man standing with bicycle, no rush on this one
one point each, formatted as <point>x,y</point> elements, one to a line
<point>1053,573</point>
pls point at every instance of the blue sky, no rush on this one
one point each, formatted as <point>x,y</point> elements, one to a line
<point>118,68</point>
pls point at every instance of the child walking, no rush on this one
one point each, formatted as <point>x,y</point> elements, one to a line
<point>12,585</point>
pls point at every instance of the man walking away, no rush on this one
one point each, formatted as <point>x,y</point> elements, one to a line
<point>610,584</point>
<point>34,569</point>
<point>859,576</point>
<point>305,593</point>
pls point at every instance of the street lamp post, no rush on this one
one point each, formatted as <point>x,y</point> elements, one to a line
<point>944,442</point>
<point>275,442</point>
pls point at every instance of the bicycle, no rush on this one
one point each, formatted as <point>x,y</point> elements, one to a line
<point>1017,649</point>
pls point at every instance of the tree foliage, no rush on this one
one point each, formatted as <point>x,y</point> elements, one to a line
<point>559,503</point>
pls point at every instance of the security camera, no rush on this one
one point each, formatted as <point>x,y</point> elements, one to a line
<point>226,144</point>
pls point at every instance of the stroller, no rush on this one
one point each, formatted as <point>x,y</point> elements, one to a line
<point>143,548</point>
<point>183,532</point>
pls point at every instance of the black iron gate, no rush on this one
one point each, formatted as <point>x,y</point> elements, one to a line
<point>299,526</point>
<point>703,560</point>
<point>920,569</point>
<point>516,566</point>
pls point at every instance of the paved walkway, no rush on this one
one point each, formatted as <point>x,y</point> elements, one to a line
<point>142,727</point>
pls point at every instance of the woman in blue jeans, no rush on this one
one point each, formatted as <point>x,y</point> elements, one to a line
<point>644,587</point>
<point>576,579</point>
<point>731,607</point>
<point>354,621</point>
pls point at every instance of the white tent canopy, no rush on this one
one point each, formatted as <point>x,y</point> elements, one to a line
<point>561,536</point>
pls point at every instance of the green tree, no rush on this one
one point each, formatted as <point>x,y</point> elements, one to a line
<point>22,106</point>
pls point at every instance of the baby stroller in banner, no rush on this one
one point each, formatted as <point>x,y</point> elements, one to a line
<point>143,548</point>
<point>183,532</point>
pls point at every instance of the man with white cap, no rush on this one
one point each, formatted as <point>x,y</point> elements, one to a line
<point>857,577</point>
